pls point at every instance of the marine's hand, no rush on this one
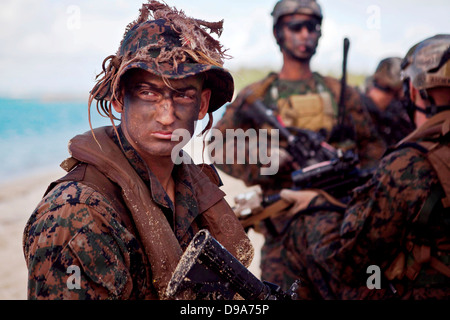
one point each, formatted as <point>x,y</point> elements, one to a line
<point>300,199</point>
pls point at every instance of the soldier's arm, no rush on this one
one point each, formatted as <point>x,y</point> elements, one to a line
<point>369,144</point>
<point>373,224</point>
<point>70,251</point>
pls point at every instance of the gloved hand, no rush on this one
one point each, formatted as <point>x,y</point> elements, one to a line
<point>300,199</point>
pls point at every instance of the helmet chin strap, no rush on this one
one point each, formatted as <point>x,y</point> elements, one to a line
<point>432,109</point>
<point>411,107</point>
<point>408,104</point>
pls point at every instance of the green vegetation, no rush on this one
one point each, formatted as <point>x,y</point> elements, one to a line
<point>353,79</point>
<point>243,77</point>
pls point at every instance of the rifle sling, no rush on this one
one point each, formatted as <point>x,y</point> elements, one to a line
<point>277,208</point>
<point>269,212</point>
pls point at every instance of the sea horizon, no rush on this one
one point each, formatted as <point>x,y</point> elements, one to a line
<point>34,133</point>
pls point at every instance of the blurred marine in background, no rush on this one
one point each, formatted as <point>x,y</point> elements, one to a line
<point>302,99</point>
<point>383,100</point>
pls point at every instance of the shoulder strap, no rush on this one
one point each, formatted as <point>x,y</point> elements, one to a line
<point>90,176</point>
<point>439,156</point>
<point>405,145</point>
<point>432,139</point>
<point>259,89</point>
<point>331,86</point>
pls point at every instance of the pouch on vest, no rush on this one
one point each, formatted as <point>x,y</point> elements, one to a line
<point>312,111</point>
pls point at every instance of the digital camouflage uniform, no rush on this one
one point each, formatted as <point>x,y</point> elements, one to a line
<point>283,97</point>
<point>330,252</point>
<point>77,225</point>
<point>393,123</point>
<point>398,221</point>
<point>109,217</point>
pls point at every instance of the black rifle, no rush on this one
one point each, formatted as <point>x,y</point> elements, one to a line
<point>343,82</point>
<point>342,131</point>
<point>337,176</point>
<point>322,166</point>
<point>305,146</point>
<point>208,271</point>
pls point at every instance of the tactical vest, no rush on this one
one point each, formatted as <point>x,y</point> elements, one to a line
<point>427,242</point>
<point>312,111</point>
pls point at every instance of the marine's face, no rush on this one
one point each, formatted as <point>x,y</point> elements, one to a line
<point>301,35</point>
<point>152,111</point>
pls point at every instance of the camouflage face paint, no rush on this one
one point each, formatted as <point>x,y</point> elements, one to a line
<point>152,111</point>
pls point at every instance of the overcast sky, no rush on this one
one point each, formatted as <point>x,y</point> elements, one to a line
<point>57,46</point>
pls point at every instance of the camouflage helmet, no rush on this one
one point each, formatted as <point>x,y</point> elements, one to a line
<point>172,46</point>
<point>427,64</point>
<point>387,74</point>
<point>286,7</point>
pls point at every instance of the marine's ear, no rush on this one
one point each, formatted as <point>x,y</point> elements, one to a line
<point>204,103</point>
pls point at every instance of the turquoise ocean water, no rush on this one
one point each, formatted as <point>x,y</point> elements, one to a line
<point>34,134</point>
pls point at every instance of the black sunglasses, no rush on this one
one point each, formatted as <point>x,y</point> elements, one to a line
<point>310,25</point>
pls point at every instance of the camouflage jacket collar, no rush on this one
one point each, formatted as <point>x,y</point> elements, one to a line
<point>185,207</point>
<point>157,191</point>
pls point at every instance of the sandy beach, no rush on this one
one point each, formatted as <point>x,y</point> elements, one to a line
<point>18,200</point>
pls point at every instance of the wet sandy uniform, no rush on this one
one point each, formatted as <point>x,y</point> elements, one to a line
<point>109,217</point>
<point>77,224</point>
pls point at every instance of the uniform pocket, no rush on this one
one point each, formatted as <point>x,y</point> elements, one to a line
<point>101,260</point>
